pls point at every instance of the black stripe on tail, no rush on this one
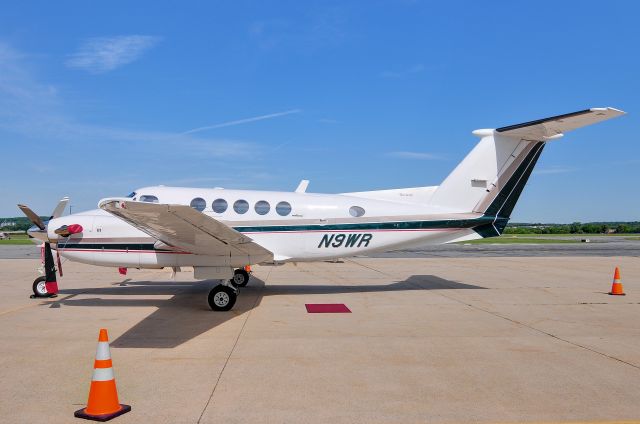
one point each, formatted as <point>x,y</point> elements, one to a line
<point>502,206</point>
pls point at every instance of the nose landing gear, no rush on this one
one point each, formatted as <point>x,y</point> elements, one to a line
<point>40,287</point>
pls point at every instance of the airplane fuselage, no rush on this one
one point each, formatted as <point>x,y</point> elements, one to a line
<point>294,226</point>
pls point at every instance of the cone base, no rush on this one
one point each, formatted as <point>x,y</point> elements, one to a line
<point>617,294</point>
<point>80,413</point>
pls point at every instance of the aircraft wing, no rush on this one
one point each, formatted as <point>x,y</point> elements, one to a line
<point>183,227</point>
<point>543,129</point>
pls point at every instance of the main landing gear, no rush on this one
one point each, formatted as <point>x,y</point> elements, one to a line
<point>223,296</point>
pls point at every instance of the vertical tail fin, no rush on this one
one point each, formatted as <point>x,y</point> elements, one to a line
<point>492,176</point>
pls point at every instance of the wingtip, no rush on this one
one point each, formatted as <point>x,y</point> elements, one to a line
<point>615,111</point>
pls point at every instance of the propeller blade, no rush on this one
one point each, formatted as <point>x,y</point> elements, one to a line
<point>32,216</point>
<point>59,210</point>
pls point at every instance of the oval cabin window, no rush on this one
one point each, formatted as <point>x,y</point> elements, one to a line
<point>198,204</point>
<point>262,207</point>
<point>241,206</point>
<point>283,208</point>
<point>219,205</point>
<point>356,211</point>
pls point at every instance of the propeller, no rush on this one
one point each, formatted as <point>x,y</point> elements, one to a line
<point>41,234</point>
<point>37,221</point>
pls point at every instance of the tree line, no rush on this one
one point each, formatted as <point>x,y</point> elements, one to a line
<point>575,228</point>
<point>23,224</point>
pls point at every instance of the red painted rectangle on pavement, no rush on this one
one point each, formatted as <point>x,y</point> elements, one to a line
<point>327,308</point>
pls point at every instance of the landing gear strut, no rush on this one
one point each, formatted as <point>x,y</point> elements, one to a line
<point>240,278</point>
<point>222,297</point>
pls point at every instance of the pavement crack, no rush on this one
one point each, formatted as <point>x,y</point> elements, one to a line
<point>353,261</point>
<point>495,314</point>
<point>233,348</point>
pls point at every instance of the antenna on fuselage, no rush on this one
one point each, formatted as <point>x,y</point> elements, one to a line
<point>302,187</point>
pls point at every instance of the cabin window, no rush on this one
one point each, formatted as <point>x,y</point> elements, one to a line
<point>262,207</point>
<point>356,211</point>
<point>283,208</point>
<point>198,204</point>
<point>219,205</point>
<point>149,199</point>
<point>241,206</point>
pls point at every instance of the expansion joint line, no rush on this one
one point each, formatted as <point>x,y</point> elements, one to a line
<point>233,348</point>
<point>495,314</point>
<point>353,261</point>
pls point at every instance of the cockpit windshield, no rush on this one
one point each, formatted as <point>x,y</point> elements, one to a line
<point>133,193</point>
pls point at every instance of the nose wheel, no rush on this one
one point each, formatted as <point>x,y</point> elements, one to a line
<point>222,297</point>
<point>40,287</point>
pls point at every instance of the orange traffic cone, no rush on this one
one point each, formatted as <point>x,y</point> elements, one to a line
<point>103,402</point>
<point>616,287</point>
<point>247,268</point>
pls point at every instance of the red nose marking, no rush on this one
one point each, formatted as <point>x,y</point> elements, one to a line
<point>74,228</point>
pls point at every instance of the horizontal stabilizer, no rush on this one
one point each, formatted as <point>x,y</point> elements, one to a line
<point>547,128</point>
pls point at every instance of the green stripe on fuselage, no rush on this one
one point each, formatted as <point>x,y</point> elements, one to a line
<point>367,226</point>
<point>477,224</point>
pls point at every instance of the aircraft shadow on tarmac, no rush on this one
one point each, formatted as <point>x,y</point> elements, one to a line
<point>186,314</point>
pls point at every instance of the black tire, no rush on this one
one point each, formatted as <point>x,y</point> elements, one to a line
<point>240,278</point>
<point>39,287</point>
<point>222,298</point>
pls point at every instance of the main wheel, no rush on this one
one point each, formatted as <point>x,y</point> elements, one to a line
<point>240,278</point>
<point>40,287</point>
<point>222,298</point>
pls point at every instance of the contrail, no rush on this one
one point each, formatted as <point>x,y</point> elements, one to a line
<point>243,121</point>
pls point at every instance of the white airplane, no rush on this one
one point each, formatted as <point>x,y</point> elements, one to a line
<point>218,232</point>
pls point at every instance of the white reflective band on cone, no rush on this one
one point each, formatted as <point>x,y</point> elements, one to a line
<point>102,352</point>
<point>103,374</point>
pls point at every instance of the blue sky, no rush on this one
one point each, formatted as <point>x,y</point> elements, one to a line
<point>98,98</point>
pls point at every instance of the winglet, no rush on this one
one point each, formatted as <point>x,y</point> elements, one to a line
<point>302,187</point>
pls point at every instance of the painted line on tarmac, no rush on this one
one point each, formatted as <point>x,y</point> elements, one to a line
<point>233,348</point>
<point>495,314</point>
<point>526,326</point>
<point>576,422</point>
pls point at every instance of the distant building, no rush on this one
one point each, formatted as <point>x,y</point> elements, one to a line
<point>5,224</point>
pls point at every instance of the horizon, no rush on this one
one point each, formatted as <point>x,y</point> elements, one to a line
<point>97,100</point>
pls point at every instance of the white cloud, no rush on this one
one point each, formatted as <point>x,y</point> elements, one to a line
<point>36,110</point>
<point>414,155</point>
<point>104,54</point>
<point>415,69</point>
<point>328,121</point>
<point>243,121</point>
